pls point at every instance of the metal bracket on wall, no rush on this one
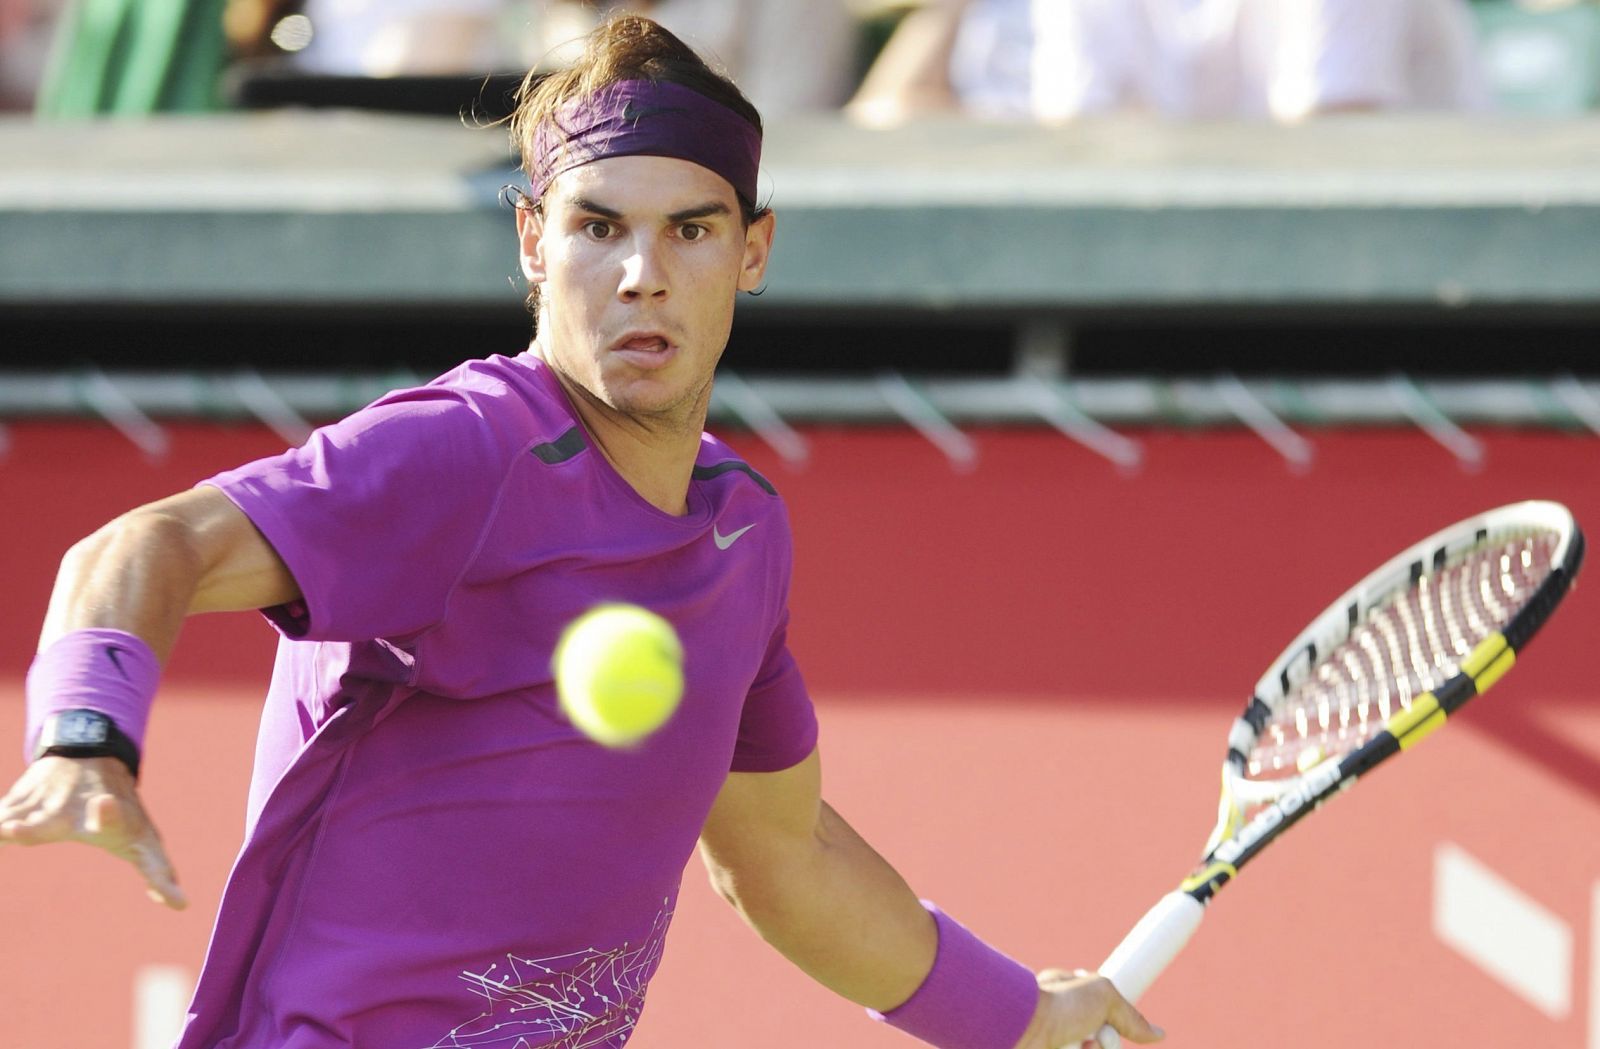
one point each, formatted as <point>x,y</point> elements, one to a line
<point>773,406</point>
<point>1254,413</point>
<point>107,400</point>
<point>1408,396</point>
<point>1578,400</point>
<point>268,405</point>
<point>1056,408</point>
<point>750,408</point>
<point>920,414</point>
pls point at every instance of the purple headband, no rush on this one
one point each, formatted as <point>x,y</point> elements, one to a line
<point>648,118</point>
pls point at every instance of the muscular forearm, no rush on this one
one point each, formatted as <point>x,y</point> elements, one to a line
<point>819,894</point>
<point>837,909</point>
<point>139,573</point>
<point>148,569</point>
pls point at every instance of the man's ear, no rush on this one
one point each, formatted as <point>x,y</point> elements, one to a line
<point>530,241</point>
<point>757,250</point>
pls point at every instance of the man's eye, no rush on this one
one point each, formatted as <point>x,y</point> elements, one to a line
<point>692,231</point>
<point>597,229</point>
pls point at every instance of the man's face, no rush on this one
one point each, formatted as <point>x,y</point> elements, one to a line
<point>638,261</point>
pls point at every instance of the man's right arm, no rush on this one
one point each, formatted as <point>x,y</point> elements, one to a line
<point>148,569</point>
<point>141,574</point>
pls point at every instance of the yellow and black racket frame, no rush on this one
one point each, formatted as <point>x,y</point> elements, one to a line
<point>1235,841</point>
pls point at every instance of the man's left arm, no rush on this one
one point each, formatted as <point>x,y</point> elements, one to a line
<point>815,890</point>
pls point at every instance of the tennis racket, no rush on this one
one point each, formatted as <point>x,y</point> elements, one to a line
<point>1369,679</point>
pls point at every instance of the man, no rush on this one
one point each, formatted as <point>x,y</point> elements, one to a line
<point>433,856</point>
<point>1283,60</point>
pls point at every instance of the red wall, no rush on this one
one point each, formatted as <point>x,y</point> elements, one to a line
<point>1024,674</point>
<point>1043,570</point>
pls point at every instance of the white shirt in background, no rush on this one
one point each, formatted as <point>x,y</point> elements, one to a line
<point>397,37</point>
<point>1278,59</point>
<point>787,56</point>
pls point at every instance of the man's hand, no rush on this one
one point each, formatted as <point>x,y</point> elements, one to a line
<point>1074,1006</point>
<point>92,800</point>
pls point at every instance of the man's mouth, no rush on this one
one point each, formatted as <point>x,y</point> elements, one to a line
<point>646,350</point>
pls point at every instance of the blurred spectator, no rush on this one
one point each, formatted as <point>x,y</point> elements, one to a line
<point>1279,59</point>
<point>131,58</point>
<point>25,30</point>
<point>1541,56</point>
<point>402,37</point>
<point>913,73</point>
<point>406,38</point>
<point>789,56</point>
<point>1286,59</point>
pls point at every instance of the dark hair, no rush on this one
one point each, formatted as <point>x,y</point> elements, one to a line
<point>622,47</point>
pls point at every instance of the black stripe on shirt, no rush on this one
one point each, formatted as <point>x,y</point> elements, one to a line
<point>562,448</point>
<point>706,473</point>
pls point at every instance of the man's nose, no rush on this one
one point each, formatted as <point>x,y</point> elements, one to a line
<point>644,273</point>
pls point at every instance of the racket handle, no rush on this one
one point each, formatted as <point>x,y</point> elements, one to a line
<point>1148,949</point>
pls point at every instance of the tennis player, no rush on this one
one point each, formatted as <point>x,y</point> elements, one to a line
<point>433,856</point>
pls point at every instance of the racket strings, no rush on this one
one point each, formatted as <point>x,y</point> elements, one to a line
<point>1411,644</point>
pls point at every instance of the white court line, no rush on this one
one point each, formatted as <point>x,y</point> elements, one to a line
<point>160,1001</point>
<point>1504,931</point>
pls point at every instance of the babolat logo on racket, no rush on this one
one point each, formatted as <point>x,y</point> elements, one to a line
<point>1310,786</point>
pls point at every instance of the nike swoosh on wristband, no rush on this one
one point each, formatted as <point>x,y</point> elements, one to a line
<point>111,653</point>
<point>725,541</point>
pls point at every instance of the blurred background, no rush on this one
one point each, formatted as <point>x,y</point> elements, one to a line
<point>1104,344</point>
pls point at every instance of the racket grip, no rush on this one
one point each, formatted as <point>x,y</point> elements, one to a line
<point>1148,949</point>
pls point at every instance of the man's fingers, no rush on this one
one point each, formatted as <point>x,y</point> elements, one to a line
<point>1088,1003</point>
<point>161,881</point>
<point>21,799</point>
<point>109,824</point>
<point>92,801</point>
<point>1130,1023</point>
<point>39,827</point>
<point>103,823</point>
<point>103,818</point>
<point>160,878</point>
<point>33,814</point>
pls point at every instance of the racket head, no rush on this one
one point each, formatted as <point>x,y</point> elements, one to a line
<point>1432,627</point>
<point>1378,670</point>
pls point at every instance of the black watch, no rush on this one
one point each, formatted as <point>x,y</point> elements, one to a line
<point>86,734</point>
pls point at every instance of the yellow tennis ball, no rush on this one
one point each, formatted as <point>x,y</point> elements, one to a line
<point>619,673</point>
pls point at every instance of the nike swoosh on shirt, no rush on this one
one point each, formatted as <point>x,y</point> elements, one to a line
<point>725,541</point>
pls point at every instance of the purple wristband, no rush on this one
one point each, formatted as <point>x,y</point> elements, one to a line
<point>109,671</point>
<point>974,997</point>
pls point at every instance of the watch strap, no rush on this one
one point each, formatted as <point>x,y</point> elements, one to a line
<point>81,733</point>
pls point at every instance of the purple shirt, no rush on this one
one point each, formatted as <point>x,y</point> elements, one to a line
<point>434,856</point>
